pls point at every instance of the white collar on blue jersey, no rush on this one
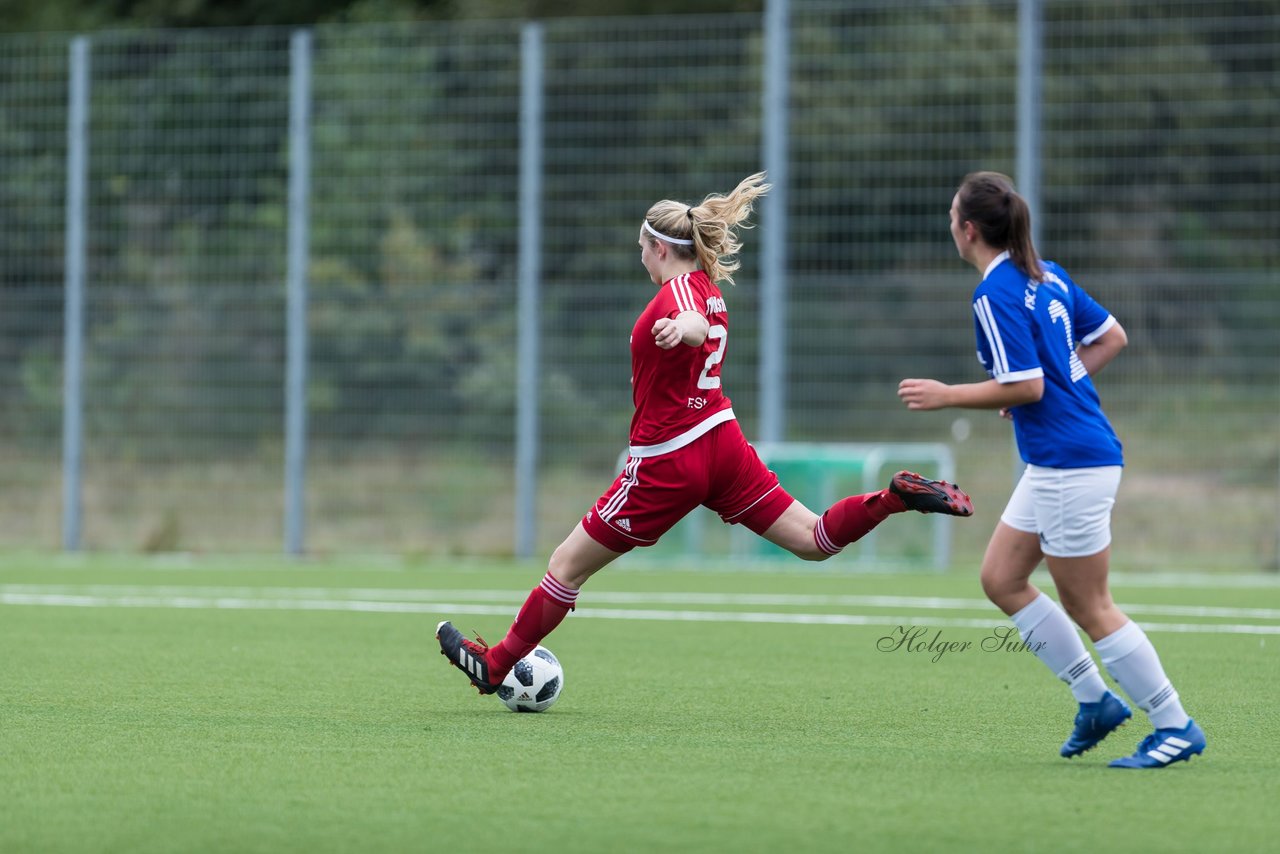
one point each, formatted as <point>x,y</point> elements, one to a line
<point>996,262</point>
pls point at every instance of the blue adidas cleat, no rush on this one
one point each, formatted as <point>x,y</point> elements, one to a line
<point>1164,747</point>
<point>1094,722</point>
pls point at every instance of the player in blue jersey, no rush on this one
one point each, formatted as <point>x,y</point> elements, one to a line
<point>1042,339</point>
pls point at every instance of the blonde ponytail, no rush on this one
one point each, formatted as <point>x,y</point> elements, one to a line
<point>710,225</point>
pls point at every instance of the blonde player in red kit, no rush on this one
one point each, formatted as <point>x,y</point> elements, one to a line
<point>686,446</point>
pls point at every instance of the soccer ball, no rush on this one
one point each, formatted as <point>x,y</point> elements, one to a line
<point>534,684</point>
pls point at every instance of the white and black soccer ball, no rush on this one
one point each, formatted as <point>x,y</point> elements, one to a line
<point>534,684</point>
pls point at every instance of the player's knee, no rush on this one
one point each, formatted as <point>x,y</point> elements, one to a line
<point>570,577</point>
<point>990,586</point>
<point>565,569</point>
<point>558,560</point>
<point>809,552</point>
<point>1084,610</point>
<point>999,587</point>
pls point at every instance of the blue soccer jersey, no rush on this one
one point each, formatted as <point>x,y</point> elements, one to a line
<point>1027,330</point>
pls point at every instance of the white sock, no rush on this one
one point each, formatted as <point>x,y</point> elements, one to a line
<point>1132,661</point>
<point>1049,633</point>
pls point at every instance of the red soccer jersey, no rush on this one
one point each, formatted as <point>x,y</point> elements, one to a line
<point>677,392</point>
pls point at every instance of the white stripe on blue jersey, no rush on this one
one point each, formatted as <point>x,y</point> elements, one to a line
<point>999,357</point>
<point>1027,330</point>
<point>999,360</point>
<point>1099,332</point>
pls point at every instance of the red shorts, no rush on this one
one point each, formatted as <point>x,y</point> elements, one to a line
<point>719,470</point>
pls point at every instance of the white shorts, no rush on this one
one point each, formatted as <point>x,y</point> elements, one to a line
<point>1070,509</point>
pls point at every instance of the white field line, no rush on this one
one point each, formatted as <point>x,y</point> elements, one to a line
<point>454,608</point>
<point>1194,579</point>
<point>516,597</point>
<point>378,562</point>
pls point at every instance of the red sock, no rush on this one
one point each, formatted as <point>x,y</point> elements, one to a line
<point>545,608</point>
<point>849,519</point>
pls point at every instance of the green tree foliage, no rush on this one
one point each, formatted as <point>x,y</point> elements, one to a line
<point>415,135</point>
<point>414,229</point>
<point>32,187</point>
<point>187,177</point>
<point>81,16</point>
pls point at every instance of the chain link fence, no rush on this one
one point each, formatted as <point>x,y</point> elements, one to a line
<point>1160,192</point>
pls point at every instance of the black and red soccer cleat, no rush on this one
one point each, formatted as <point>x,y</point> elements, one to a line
<point>466,655</point>
<point>930,496</point>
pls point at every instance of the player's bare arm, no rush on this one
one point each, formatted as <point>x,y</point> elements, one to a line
<point>1097,355</point>
<point>687,327</point>
<point>931,394</point>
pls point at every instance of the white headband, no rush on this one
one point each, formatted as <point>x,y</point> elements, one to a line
<point>662,236</point>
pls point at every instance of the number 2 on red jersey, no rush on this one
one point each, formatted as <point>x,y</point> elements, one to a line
<point>705,380</point>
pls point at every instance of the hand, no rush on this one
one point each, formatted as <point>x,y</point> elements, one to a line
<point>666,333</point>
<point>923,394</point>
<point>1006,413</point>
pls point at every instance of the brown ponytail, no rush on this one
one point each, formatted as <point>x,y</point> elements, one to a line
<point>1002,217</point>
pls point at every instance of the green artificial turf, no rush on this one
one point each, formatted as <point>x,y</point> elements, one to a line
<point>160,706</point>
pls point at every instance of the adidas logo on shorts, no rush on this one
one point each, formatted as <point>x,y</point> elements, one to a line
<point>625,524</point>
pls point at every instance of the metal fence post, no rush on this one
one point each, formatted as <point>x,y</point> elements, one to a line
<point>295,443</point>
<point>1030,90</point>
<point>773,252</point>
<point>528,309</point>
<point>74,274</point>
